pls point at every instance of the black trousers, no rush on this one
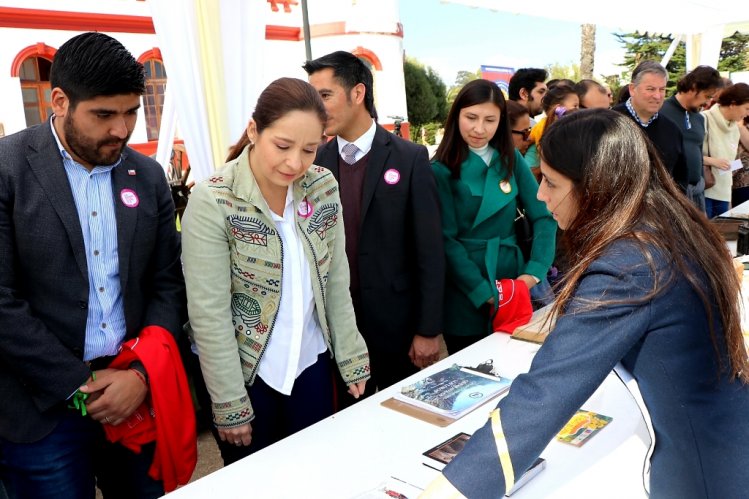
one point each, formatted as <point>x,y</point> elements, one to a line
<point>277,415</point>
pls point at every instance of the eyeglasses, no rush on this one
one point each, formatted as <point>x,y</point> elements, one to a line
<point>687,122</point>
<point>525,133</point>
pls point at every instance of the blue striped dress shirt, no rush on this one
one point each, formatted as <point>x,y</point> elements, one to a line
<point>94,201</point>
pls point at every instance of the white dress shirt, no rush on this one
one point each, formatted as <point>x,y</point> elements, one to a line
<point>364,143</point>
<point>296,339</point>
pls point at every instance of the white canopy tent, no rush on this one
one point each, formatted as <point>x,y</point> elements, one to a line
<point>210,47</point>
<point>214,49</point>
<point>702,24</point>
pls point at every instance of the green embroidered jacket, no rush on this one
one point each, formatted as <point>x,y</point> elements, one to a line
<point>232,256</point>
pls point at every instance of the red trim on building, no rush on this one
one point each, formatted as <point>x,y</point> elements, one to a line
<point>283,33</point>
<point>154,53</point>
<point>13,17</point>
<point>287,4</point>
<point>149,148</point>
<point>368,55</point>
<point>37,50</point>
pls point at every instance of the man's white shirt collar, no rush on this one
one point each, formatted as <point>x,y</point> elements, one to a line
<point>364,143</point>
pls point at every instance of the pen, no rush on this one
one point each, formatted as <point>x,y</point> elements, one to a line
<point>429,466</point>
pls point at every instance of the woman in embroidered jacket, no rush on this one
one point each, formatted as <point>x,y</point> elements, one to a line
<point>482,180</point>
<point>268,280</point>
<point>652,288</point>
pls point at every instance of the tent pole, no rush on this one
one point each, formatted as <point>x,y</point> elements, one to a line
<point>305,25</point>
<point>671,50</point>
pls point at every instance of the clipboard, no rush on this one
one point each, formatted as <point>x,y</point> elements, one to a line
<point>417,412</point>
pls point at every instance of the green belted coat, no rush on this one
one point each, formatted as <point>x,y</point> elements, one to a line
<point>479,235</point>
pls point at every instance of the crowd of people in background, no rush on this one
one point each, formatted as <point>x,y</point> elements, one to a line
<point>328,258</point>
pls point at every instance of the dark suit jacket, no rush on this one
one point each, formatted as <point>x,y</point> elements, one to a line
<point>401,259</point>
<point>44,275</point>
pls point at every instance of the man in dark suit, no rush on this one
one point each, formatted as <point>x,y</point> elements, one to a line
<point>89,256</point>
<point>392,221</point>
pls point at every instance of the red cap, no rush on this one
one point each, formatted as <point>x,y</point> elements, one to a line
<point>515,307</point>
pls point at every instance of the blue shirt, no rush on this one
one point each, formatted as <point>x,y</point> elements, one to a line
<point>94,201</point>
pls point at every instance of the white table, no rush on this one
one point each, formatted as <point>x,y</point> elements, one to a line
<point>361,447</point>
<point>741,210</point>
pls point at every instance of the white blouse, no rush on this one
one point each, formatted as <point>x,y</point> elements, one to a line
<point>296,339</point>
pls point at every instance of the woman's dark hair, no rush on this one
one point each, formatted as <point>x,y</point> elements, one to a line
<point>515,111</point>
<point>94,64</point>
<point>624,192</point>
<point>453,150</point>
<point>622,95</point>
<point>737,94</point>
<point>554,97</point>
<point>277,100</point>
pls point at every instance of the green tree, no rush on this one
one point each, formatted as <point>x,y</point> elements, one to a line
<point>559,71</point>
<point>440,93</point>
<point>646,47</point>
<point>420,99</point>
<point>734,53</point>
<point>461,79</point>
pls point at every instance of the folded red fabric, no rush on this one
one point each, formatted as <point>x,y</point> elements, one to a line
<point>515,307</point>
<point>167,416</point>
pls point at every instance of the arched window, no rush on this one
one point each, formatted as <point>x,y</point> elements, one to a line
<point>153,99</point>
<point>34,76</point>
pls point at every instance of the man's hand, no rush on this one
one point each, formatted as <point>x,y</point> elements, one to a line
<point>357,389</point>
<point>114,396</point>
<point>239,436</point>
<point>424,351</point>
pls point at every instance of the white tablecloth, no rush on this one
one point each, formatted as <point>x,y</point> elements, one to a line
<point>359,448</point>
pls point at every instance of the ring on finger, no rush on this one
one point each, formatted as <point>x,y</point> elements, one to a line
<point>106,418</point>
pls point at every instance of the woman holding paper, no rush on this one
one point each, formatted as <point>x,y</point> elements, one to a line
<point>652,287</point>
<point>721,144</point>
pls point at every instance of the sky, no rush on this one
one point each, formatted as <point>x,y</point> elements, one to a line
<point>451,38</point>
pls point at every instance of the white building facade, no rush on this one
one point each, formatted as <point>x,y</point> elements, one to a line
<point>32,30</point>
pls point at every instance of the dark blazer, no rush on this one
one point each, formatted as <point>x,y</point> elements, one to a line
<point>699,415</point>
<point>44,275</point>
<point>401,259</point>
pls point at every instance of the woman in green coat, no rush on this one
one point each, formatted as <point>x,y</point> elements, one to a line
<point>482,181</point>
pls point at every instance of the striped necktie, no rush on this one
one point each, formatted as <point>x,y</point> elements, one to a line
<point>349,153</point>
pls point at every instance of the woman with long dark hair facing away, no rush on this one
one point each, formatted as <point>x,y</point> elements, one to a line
<point>653,288</point>
<point>268,280</point>
<point>482,180</point>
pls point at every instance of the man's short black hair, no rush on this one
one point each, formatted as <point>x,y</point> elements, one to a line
<point>94,64</point>
<point>349,70</point>
<point>525,78</point>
